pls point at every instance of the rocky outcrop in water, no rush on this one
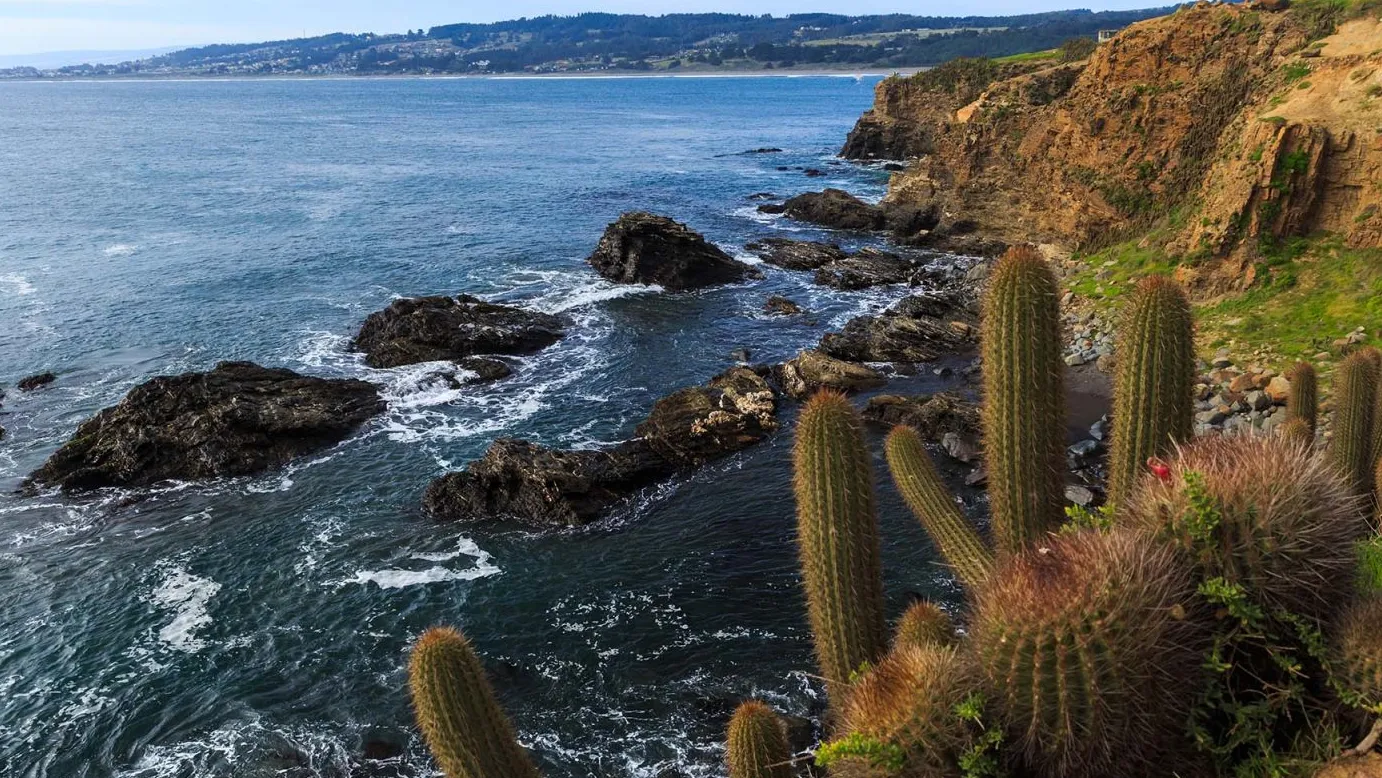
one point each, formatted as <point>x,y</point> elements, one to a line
<point>642,248</point>
<point>833,208</point>
<point>237,419</point>
<point>866,268</point>
<point>427,329</point>
<point>777,305</point>
<point>35,382</point>
<point>688,428</point>
<point>916,329</point>
<point>933,416</point>
<point>809,371</point>
<point>796,254</point>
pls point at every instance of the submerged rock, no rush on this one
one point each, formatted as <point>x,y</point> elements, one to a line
<point>778,305</point>
<point>236,419</point>
<point>36,382</point>
<point>428,329</point>
<point>810,371</point>
<point>642,248</point>
<point>796,254</point>
<point>916,329</point>
<point>686,429</point>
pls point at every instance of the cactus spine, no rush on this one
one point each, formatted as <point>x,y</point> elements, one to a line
<point>924,624</point>
<point>1301,402</point>
<point>1355,390</point>
<point>921,487</point>
<point>1297,433</point>
<point>1152,406</point>
<point>837,533</point>
<point>1024,408</point>
<point>757,743</point>
<point>466,730</point>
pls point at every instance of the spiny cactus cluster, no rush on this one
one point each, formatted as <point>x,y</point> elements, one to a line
<point>757,743</point>
<point>1086,643</point>
<point>1153,384</point>
<point>837,532</point>
<point>1024,401</point>
<point>1167,638</point>
<point>468,733</point>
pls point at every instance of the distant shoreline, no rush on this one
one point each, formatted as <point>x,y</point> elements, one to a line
<point>611,75</point>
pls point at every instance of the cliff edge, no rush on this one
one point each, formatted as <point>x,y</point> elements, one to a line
<point>1237,125</point>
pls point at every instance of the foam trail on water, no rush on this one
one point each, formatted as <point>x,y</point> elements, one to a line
<point>187,596</point>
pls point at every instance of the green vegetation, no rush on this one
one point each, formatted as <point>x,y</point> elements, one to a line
<point>1323,17</point>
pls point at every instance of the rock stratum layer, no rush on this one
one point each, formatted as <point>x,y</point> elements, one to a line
<point>1229,116</point>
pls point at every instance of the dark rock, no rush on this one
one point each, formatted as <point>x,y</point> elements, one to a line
<point>763,150</point>
<point>237,419</point>
<point>814,172</point>
<point>906,220</point>
<point>781,306</point>
<point>966,244</point>
<point>869,267</point>
<point>893,167</point>
<point>377,749</point>
<point>835,208</point>
<point>484,370</point>
<point>35,382</point>
<point>916,329</point>
<point>877,136</point>
<point>774,208</point>
<point>427,329</point>
<point>642,248</point>
<point>740,354</point>
<point>977,477</point>
<point>796,254</point>
<point>762,196</point>
<point>932,416</point>
<point>685,430</point>
<point>809,371</point>
<point>1085,448</point>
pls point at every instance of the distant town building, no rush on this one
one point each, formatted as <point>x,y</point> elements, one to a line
<point>1107,35</point>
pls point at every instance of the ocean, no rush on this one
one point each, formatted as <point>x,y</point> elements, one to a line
<point>260,626</point>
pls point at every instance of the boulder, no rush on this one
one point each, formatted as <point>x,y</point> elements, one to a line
<point>809,371</point>
<point>686,429</point>
<point>237,419</point>
<point>428,329</point>
<point>796,254</point>
<point>834,208</point>
<point>778,305</point>
<point>869,267</point>
<point>642,248</point>
<point>35,382</point>
<point>906,220</point>
<point>932,416</point>
<point>916,329</point>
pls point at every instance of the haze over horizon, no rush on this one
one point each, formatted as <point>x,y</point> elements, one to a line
<point>44,27</point>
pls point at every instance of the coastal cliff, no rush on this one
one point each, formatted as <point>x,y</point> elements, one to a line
<point>1229,126</point>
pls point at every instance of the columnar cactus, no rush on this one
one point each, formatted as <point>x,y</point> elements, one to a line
<point>1301,402</point>
<point>1355,390</point>
<point>1024,408</point>
<point>1261,513</point>
<point>906,705</point>
<point>1152,402</point>
<point>1086,647</point>
<point>924,624</point>
<point>1297,433</point>
<point>933,504</point>
<point>837,534</point>
<point>757,743</point>
<point>467,732</point>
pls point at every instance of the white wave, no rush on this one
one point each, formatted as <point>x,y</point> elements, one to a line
<point>16,284</point>
<point>187,596</point>
<point>120,250</point>
<point>776,220</point>
<point>396,578</point>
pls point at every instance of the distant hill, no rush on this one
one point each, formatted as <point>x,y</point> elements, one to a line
<point>595,42</point>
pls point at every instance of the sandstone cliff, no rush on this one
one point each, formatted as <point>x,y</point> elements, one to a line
<point>1228,118</point>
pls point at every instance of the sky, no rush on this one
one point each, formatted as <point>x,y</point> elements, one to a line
<point>33,26</point>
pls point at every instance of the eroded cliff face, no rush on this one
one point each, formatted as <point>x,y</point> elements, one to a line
<point>1204,112</point>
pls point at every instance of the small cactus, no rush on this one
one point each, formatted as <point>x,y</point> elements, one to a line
<point>933,504</point>
<point>924,624</point>
<point>1024,408</point>
<point>1297,432</point>
<point>467,732</point>
<point>1261,513</point>
<point>1087,649</point>
<point>1301,402</point>
<point>837,535</point>
<point>1357,661</point>
<point>757,745</point>
<point>1355,390</point>
<point>907,706</point>
<point>1155,373</point>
